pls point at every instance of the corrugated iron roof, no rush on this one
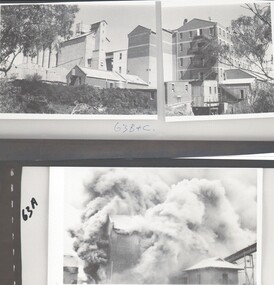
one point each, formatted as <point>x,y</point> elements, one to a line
<point>102,74</point>
<point>112,75</point>
<point>132,79</point>
<point>214,262</point>
<point>196,24</point>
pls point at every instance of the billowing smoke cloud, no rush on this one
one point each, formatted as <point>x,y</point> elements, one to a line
<point>178,224</point>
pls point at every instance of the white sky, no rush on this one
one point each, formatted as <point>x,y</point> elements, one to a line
<point>123,17</point>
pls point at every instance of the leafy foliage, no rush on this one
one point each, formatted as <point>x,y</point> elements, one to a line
<point>252,37</point>
<point>30,28</point>
<point>35,96</point>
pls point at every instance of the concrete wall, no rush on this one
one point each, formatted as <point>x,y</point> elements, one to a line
<point>72,52</point>
<point>142,59</point>
<point>178,92</point>
<point>204,92</point>
<point>169,75</point>
<point>212,276</point>
<point>210,91</point>
<point>101,83</point>
<point>139,66</point>
<point>99,53</point>
<point>197,94</point>
<point>124,252</point>
<point>237,89</point>
<point>120,61</point>
<point>56,74</point>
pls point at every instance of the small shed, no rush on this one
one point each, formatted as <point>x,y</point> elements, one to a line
<point>212,271</point>
<point>98,78</point>
<point>104,79</point>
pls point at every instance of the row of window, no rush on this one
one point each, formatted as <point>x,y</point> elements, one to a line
<point>173,87</point>
<point>200,32</point>
<point>196,62</point>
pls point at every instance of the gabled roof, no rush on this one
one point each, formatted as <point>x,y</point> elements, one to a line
<point>102,74</point>
<point>138,30</point>
<point>238,73</point>
<point>214,262</point>
<point>97,24</point>
<point>196,24</point>
<point>141,29</point>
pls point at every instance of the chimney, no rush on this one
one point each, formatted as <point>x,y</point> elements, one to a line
<point>185,21</point>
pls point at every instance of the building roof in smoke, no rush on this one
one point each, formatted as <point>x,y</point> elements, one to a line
<point>214,262</point>
<point>121,223</point>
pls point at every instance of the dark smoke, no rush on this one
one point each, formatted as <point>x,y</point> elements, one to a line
<point>177,225</point>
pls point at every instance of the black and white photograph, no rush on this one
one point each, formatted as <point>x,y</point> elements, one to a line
<point>158,226</point>
<point>88,58</point>
<point>218,59</point>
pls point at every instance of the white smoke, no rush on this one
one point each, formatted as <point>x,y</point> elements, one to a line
<point>179,224</point>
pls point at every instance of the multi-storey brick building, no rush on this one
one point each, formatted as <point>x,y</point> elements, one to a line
<point>194,49</point>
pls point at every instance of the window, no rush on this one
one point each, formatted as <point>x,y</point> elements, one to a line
<point>181,36</point>
<point>186,87</point>
<point>120,55</point>
<point>120,69</point>
<point>172,87</point>
<point>110,85</point>
<point>101,64</point>
<point>89,62</point>
<point>211,31</point>
<point>181,47</point>
<point>215,90</point>
<point>242,94</point>
<point>200,32</point>
<point>210,90</point>
<point>181,62</point>
<point>181,74</point>
<point>190,34</point>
